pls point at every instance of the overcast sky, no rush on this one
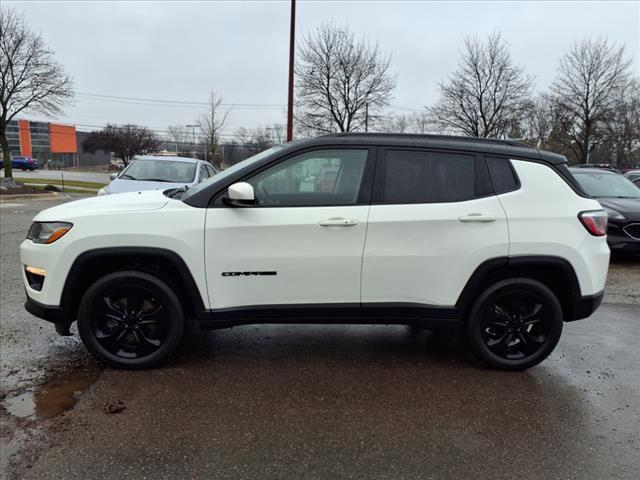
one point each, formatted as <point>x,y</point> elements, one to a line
<point>180,50</point>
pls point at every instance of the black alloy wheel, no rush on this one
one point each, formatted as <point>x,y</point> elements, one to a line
<point>515,324</point>
<point>130,320</point>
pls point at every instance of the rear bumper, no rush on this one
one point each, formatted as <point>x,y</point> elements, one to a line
<point>585,306</point>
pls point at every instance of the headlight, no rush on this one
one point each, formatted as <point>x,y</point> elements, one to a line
<point>102,191</point>
<point>614,214</point>
<point>47,232</point>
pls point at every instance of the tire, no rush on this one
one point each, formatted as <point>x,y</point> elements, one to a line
<point>514,324</point>
<point>130,320</point>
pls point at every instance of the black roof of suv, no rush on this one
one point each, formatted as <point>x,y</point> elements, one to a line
<point>511,148</point>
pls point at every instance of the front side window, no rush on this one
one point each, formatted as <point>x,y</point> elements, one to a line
<point>317,178</point>
<point>413,176</point>
<point>204,172</point>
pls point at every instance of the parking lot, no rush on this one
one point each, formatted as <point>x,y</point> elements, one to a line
<point>316,401</point>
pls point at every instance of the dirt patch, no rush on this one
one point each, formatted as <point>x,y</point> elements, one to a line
<point>23,191</point>
<point>8,186</point>
<point>623,281</point>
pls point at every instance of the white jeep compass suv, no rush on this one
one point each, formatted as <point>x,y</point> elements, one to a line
<point>491,236</point>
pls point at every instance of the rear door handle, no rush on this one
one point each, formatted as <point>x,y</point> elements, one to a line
<point>338,222</point>
<point>477,217</point>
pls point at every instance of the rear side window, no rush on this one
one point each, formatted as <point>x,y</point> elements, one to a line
<point>502,175</point>
<point>413,176</point>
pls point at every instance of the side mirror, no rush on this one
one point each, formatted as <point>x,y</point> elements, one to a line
<point>113,176</point>
<point>240,195</point>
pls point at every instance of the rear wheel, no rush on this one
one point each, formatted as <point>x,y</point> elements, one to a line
<point>130,320</point>
<point>514,324</point>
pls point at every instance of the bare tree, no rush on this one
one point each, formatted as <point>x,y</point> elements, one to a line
<point>421,122</point>
<point>485,94</point>
<point>539,120</point>
<point>587,90</point>
<point>181,136</point>
<point>406,123</point>
<point>342,83</point>
<point>399,123</point>
<point>623,126</point>
<point>212,123</point>
<point>258,139</point>
<point>278,133</point>
<point>30,77</point>
<point>125,141</point>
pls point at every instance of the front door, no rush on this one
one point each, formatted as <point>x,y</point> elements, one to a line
<point>302,241</point>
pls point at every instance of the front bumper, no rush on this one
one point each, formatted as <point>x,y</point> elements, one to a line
<point>53,314</point>
<point>619,240</point>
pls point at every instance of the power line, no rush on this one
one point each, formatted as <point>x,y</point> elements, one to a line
<point>183,103</point>
<point>154,101</point>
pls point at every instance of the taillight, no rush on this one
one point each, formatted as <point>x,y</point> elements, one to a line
<point>595,221</point>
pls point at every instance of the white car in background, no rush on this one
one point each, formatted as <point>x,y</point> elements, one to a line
<point>159,173</point>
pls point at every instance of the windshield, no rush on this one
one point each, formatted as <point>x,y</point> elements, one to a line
<point>606,185</point>
<point>160,171</point>
<point>234,168</point>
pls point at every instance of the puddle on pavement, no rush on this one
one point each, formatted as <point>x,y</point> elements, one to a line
<point>57,395</point>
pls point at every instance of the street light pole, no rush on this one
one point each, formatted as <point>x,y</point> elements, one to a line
<point>366,117</point>
<point>193,144</point>
<point>292,38</point>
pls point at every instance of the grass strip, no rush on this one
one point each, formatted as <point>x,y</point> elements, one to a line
<point>56,181</point>
<point>68,189</point>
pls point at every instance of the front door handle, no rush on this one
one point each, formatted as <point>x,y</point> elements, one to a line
<point>338,222</point>
<point>477,217</point>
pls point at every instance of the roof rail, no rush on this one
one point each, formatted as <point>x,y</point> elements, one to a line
<point>497,141</point>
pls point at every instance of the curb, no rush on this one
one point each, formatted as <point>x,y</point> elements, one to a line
<point>6,198</point>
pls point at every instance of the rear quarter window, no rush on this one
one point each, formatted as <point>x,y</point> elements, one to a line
<point>503,176</point>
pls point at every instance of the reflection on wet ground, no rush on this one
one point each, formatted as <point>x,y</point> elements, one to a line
<point>58,394</point>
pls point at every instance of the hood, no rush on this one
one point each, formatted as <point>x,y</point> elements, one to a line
<point>629,207</point>
<point>124,202</point>
<point>121,186</point>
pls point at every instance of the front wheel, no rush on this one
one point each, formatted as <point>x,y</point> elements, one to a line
<point>514,324</point>
<point>130,320</point>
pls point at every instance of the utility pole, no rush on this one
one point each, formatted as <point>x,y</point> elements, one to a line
<point>292,38</point>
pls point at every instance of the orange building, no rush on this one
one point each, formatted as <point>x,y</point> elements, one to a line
<point>45,141</point>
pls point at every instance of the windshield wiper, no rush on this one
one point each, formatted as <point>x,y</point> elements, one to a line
<point>154,180</point>
<point>126,175</point>
<point>177,193</point>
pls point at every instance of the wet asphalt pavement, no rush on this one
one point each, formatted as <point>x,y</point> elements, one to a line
<point>354,402</point>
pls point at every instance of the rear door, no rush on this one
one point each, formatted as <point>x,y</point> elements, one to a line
<point>433,221</point>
